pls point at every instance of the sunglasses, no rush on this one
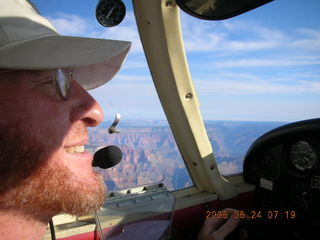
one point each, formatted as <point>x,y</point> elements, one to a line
<point>62,81</point>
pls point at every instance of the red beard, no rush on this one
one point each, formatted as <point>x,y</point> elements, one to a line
<point>34,183</point>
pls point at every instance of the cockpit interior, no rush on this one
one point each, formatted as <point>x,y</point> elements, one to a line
<point>275,184</point>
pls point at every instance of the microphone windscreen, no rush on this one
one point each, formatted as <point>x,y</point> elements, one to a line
<point>107,157</point>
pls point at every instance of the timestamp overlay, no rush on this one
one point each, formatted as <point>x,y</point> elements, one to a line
<point>256,216</point>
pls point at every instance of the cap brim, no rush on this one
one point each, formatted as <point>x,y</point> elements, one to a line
<point>94,61</point>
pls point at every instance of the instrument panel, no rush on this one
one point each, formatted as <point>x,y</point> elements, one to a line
<point>300,157</point>
<point>284,165</point>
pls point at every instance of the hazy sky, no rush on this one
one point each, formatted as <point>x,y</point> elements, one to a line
<point>262,65</point>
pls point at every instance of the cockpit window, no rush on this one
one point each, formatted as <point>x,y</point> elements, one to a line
<point>253,73</point>
<point>150,154</point>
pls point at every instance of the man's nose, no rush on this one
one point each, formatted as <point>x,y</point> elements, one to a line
<point>84,106</point>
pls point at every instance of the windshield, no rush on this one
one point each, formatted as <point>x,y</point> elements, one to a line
<point>253,73</point>
<point>150,154</point>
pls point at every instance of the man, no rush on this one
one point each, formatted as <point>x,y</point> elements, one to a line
<point>45,112</point>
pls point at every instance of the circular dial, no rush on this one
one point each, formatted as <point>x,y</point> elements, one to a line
<point>110,13</point>
<point>270,166</point>
<point>302,156</point>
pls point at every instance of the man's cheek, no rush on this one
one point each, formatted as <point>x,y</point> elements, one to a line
<point>19,160</point>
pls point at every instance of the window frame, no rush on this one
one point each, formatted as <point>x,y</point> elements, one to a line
<point>160,32</point>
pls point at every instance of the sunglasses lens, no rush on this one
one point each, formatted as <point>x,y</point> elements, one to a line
<point>63,82</point>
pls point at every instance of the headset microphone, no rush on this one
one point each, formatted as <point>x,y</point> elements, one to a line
<point>107,157</point>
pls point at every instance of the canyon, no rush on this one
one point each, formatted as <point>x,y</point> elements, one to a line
<point>150,154</point>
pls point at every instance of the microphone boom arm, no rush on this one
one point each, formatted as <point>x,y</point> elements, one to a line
<point>112,129</point>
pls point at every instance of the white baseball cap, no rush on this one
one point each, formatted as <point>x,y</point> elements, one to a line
<point>29,41</point>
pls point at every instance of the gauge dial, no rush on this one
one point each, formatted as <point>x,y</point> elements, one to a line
<point>302,156</point>
<point>110,13</point>
<point>270,166</point>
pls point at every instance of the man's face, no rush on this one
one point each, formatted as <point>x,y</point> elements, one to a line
<point>42,163</point>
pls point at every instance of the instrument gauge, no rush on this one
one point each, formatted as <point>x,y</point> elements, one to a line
<point>302,156</point>
<point>269,166</point>
<point>110,13</point>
